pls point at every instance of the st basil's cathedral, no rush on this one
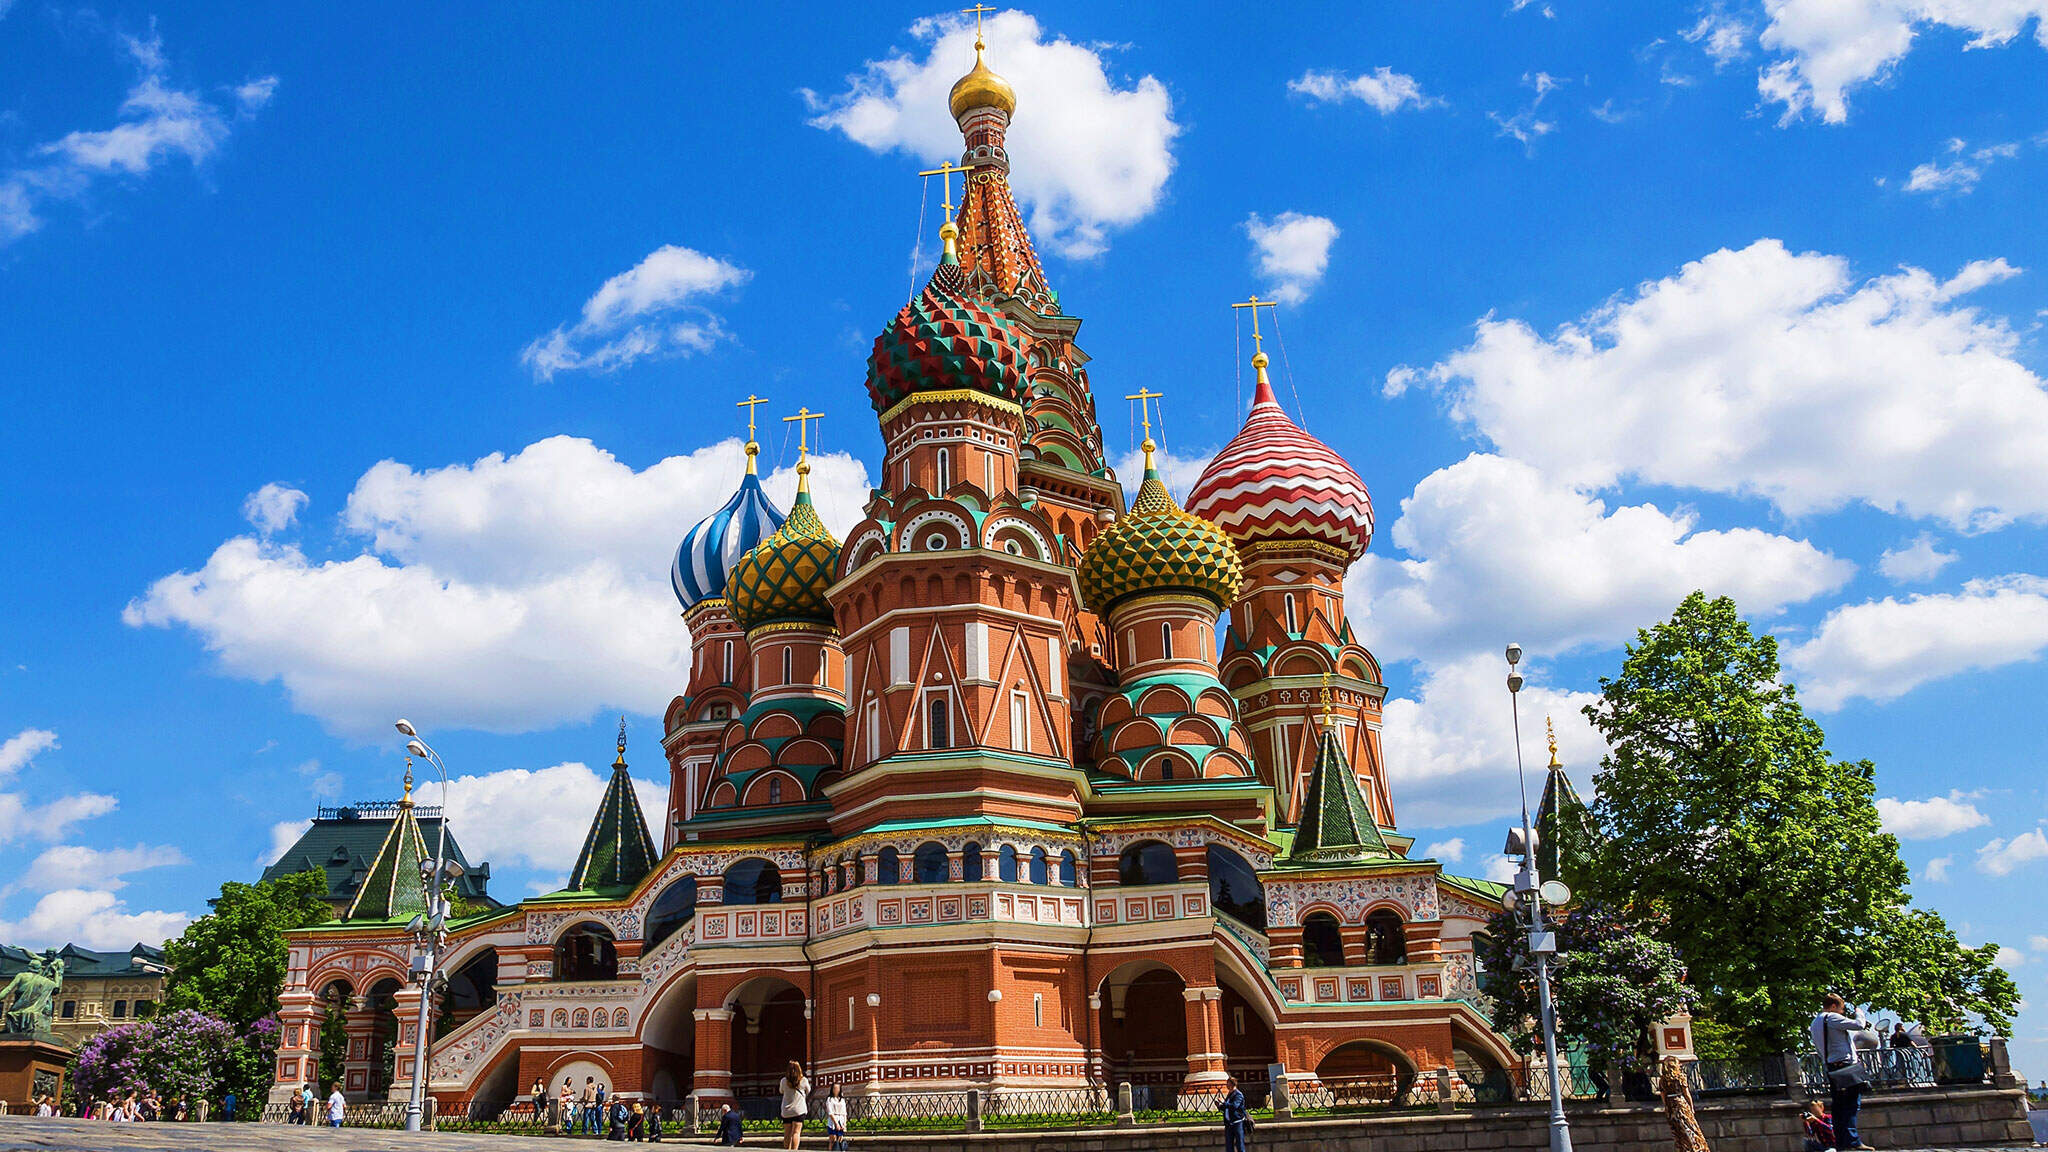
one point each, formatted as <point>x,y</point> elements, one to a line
<point>1013,788</point>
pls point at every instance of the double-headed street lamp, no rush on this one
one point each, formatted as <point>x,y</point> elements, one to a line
<point>428,929</point>
<point>1528,895</point>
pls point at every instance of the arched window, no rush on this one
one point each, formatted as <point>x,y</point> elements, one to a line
<point>970,861</point>
<point>1147,862</point>
<point>929,863</point>
<point>889,868</point>
<point>1006,863</point>
<point>1234,888</point>
<point>774,791</point>
<point>1288,600</point>
<point>1322,941</point>
<point>945,471</point>
<point>1038,873</point>
<point>788,665</point>
<point>670,911</point>
<point>936,734</point>
<point>845,876</point>
<point>1386,938</point>
<point>1166,640</point>
<point>587,952</point>
<point>1166,769</point>
<point>1067,868</point>
<point>753,881</point>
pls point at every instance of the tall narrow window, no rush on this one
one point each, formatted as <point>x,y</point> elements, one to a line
<point>1055,666</point>
<point>871,728</point>
<point>788,665</point>
<point>728,662</point>
<point>1020,722</point>
<point>937,714</point>
<point>945,472</point>
<point>988,473</point>
<point>1289,602</point>
<point>1038,1009</point>
<point>1166,640</point>
<point>775,791</point>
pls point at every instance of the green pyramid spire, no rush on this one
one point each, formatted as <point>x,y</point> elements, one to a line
<point>393,890</point>
<point>1336,823</point>
<point>1566,837</point>
<point>618,853</point>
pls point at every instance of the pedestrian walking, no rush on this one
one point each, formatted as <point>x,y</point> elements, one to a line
<point>227,1106</point>
<point>618,1117</point>
<point>1677,1095</point>
<point>540,1100</point>
<point>731,1126</point>
<point>636,1124</point>
<point>796,1104</point>
<point>1836,1031</point>
<point>1237,1120</point>
<point>587,1104</point>
<point>835,1120</point>
<point>654,1123</point>
<point>337,1107</point>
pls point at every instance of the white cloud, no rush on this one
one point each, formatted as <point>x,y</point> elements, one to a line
<point>1961,171</point>
<point>1501,869</point>
<point>1724,38</point>
<point>523,818</point>
<point>91,919</point>
<point>1930,819</point>
<point>652,309</point>
<point>2038,943</point>
<point>1450,750</point>
<point>1828,47</point>
<point>1768,373</point>
<point>1882,649</point>
<point>1449,851</point>
<point>1500,548</point>
<point>2002,857</point>
<point>273,508</point>
<point>1086,156</point>
<point>1937,869</point>
<point>1917,562</point>
<point>1383,89</point>
<point>157,123</point>
<point>77,865</point>
<point>283,835</point>
<point>1291,251</point>
<point>23,747</point>
<point>510,594</point>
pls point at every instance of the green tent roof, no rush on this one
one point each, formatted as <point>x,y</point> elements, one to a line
<point>617,853</point>
<point>393,890</point>
<point>1336,823</point>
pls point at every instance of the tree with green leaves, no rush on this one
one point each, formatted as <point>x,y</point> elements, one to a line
<point>1610,981</point>
<point>231,962</point>
<point>1729,828</point>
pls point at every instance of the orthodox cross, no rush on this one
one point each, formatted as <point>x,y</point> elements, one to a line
<point>1552,733</point>
<point>753,449</point>
<point>1326,685</point>
<point>802,420</point>
<point>978,11</point>
<point>1144,396</point>
<point>1258,342</point>
<point>945,173</point>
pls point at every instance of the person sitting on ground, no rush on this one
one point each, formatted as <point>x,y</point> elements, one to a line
<point>1820,1127</point>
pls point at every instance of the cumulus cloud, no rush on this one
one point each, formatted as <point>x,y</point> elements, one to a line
<point>508,594</point>
<point>283,835</point>
<point>22,820</point>
<point>157,123</point>
<point>1383,90</point>
<point>652,310</point>
<point>537,819</point>
<point>1828,47</point>
<point>1450,748</point>
<point>1930,819</point>
<point>2002,857</point>
<point>1499,548</point>
<point>23,747</point>
<point>90,918</point>
<point>1086,156</point>
<point>1880,650</point>
<point>1937,869</point>
<point>1959,172</point>
<point>1762,372</point>
<point>78,865</point>
<point>1724,38</point>
<point>1449,851</point>
<point>1291,252</point>
<point>273,508</point>
<point>1917,562</point>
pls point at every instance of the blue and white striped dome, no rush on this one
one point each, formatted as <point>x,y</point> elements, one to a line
<point>719,540</point>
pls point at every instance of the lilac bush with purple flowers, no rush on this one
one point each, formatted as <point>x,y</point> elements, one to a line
<point>182,1055</point>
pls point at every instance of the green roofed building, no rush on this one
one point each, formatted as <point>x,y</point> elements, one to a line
<point>345,843</point>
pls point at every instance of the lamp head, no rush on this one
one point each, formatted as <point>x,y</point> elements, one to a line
<point>1514,681</point>
<point>1514,654</point>
<point>416,748</point>
<point>405,728</point>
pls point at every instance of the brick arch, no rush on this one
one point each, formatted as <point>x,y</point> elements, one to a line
<point>1307,910</point>
<point>1389,904</point>
<point>757,788</point>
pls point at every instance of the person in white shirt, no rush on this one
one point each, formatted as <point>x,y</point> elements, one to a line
<point>1838,1031</point>
<point>337,1107</point>
<point>796,1104</point>
<point>835,1120</point>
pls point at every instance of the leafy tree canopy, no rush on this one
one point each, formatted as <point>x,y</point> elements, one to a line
<point>1729,828</point>
<point>1610,982</point>
<point>231,962</point>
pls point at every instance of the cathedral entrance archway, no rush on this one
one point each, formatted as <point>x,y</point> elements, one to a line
<point>1248,1044</point>
<point>668,1038</point>
<point>1366,1072</point>
<point>768,1031</point>
<point>1143,1024</point>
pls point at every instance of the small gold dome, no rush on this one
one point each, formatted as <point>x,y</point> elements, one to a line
<point>982,88</point>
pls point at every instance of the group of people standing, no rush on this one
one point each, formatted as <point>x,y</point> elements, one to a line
<point>594,1111</point>
<point>795,1110</point>
<point>305,1108</point>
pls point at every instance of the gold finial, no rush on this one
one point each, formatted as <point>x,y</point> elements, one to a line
<point>803,419</point>
<point>1259,359</point>
<point>1144,397</point>
<point>1326,698</point>
<point>1552,733</point>
<point>949,232</point>
<point>405,801</point>
<point>753,449</point>
<point>978,11</point>
<point>621,761</point>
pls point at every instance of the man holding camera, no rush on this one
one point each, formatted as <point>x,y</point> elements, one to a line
<point>1837,1034</point>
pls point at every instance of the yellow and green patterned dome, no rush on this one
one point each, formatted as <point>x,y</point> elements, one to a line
<point>1157,547</point>
<point>783,579</point>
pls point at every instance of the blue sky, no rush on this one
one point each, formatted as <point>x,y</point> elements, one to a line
<point>371,363</point>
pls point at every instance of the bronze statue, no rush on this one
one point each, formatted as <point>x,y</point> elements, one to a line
<point>34,994</point>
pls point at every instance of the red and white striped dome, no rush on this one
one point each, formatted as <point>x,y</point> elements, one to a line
<point>1275,482</point>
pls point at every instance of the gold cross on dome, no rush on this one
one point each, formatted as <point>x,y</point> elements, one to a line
<point>945,173</point>
<point>1144,397</point>
<point>978,11</point>
<point>802,420</point>
<point>753,448</point>
<point>1258,342</point>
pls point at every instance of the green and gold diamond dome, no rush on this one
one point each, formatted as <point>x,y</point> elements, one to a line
<point>783,579</point>
<point>1158,547</point>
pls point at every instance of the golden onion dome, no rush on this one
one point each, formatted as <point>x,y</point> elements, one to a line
<point>783,578</point>
<point>1158,547</point>
<point>982,88</point>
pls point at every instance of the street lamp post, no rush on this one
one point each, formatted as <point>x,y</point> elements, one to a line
<point>427,930</point>
<point>1529,892</point>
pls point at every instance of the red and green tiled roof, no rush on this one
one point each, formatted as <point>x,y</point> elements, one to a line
<point>393,889</point>
<point>1336,823</point>
<point>785,576</point>
<point>1157,547</point>
<point>944,340</point>
<point>617,852</point>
